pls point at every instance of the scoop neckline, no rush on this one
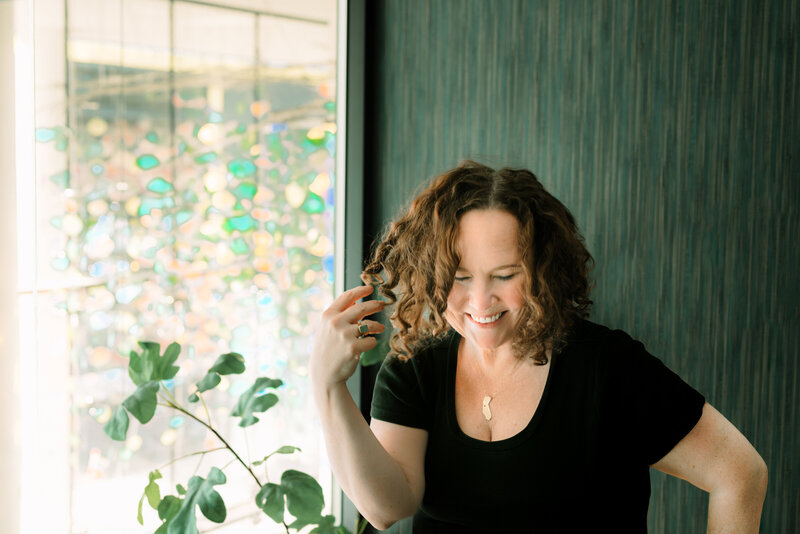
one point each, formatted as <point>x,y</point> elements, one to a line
<point>450,392</point>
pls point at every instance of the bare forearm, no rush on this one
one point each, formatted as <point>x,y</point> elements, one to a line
<point>367,473</point>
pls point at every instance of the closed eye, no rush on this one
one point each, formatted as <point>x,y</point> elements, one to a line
<point>506,277</point>
<point>461,278</point>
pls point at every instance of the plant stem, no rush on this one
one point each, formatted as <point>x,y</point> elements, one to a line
<point>361,524</point>
<point>208,415</point>
<point>188,455</point>
<point>180,409</point>
<point>170,396</point>
<point>199,463</point>
<point>224,467</point>
<point>247,445</point>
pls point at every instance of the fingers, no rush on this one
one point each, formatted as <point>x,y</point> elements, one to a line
<point>373,327</point>
<point>345,316</point>
<point>340,339</point>
<point>346,308</point>
<point>358,311</point>
<point>364,341</point>
<point>363,345</point>
<point>349,297</point>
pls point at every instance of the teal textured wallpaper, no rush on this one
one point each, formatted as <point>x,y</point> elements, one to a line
<point>671,129</point>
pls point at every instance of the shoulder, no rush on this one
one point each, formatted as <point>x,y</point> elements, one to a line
<point>648,406</point>
<point>589,340</point>
<point>423,370</point>
<point>426,359</point>
<point>611,356</point>
<point>585,331</point>
<point>405,390</point>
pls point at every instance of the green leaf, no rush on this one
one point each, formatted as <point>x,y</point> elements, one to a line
<point>168,508</point>
<point>165,365</point>
<point>325,523</point>
<point>142,404</point>
<point>304,498</point>
<point>231,363</point>
<point>200,493</point>
<point>152,491</point>
<point>326,526</point>
<point>149,365</point>
<point>251,402</point>
<point>227,364</point>
<point>139,517</point>
<point>211,380</point>
<point>270,499</point>
<point>139,368</point>
<point>286,449</point>
<point>181,489</point>
<point>117,426</point>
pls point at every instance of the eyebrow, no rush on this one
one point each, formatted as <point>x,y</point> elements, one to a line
<point>509,266</point>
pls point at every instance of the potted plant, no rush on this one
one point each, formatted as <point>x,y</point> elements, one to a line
<point>298,494</point>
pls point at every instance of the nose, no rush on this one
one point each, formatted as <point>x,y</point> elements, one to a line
<point>481,296</point>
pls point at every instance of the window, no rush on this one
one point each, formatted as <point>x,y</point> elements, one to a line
<point>185,169</point>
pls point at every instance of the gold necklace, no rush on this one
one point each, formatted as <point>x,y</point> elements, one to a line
<point>486,409</point>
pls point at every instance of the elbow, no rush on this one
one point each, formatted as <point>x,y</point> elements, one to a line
<point>381,521</point>
<point>752,480</point>
<point>379,525</point>
<point>755,475</point>
<point>761,476</point>
<point>385,518</point>
<point>384,512</point>
<point>743,481</point>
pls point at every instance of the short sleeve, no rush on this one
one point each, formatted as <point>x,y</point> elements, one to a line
<point>654,407</point>
<point>400,394</point>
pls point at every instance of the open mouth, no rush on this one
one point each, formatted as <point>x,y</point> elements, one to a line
<point>486,319</point>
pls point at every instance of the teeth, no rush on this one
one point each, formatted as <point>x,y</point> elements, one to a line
<point>486,320</point>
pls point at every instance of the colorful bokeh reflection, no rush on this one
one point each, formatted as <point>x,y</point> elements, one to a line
<point>217,234</point>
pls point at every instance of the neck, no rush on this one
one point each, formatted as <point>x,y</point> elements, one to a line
<point>491,361</point>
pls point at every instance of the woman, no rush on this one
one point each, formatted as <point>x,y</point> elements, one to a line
<point>501,407</point>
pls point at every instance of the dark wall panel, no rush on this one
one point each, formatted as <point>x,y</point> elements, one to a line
<point>671,130</point>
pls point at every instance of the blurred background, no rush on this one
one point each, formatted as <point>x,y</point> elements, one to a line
<point>175,178</point>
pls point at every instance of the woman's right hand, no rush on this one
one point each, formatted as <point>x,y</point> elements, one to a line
<point>339,342</point>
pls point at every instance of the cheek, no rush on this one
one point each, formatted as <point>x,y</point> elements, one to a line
<point>454,307</point>
<point>515,296</point>
<point>455,298</point>
<point>452,313</point>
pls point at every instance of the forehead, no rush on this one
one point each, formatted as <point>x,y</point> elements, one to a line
<point>488,238</point>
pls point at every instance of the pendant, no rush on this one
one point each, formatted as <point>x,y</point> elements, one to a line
<point>487,412</point>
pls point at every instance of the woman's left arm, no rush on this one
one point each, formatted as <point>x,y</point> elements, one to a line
<point>717,458</point>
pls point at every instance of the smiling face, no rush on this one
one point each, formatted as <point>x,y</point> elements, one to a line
<point>487,294</point>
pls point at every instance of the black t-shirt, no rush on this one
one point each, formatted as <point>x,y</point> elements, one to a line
<point>609,410</point>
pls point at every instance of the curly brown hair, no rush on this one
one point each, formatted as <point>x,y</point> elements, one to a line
<point>418,256</point>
